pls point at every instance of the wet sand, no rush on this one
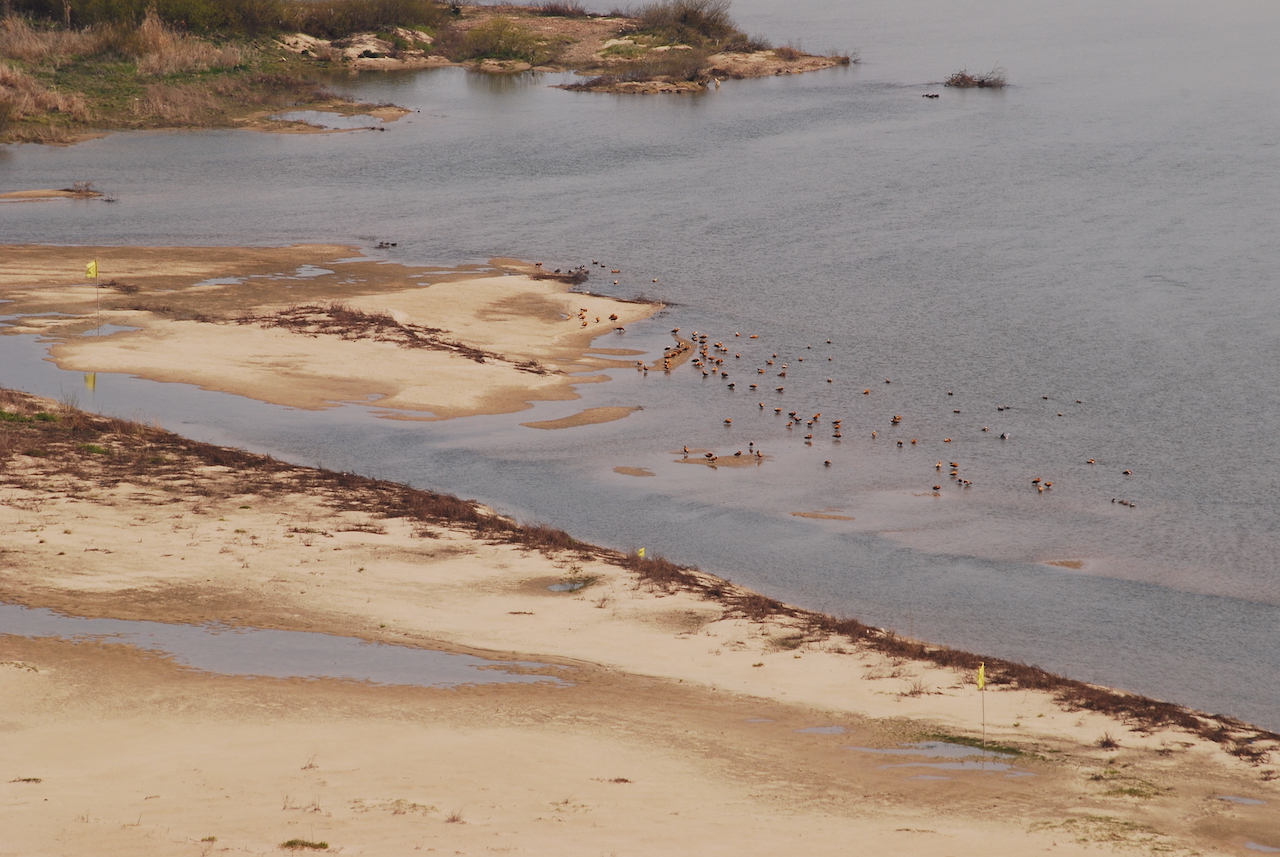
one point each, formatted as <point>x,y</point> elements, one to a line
<point>683,728</point>
<point>588,417</point>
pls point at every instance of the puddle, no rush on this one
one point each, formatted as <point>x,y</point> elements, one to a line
<point>1247,801</point>
<point>822,730</point>
<point>329,121</point>
<point>935,749</point>
<point>9,319</point>
<point>305,271</point>
<point>960,753</point>
<point>758,720</point>
<point>108,329</point>
<point>569,586</point>
<point>221,281</point>
<point>275,654</point>
<point>1266,849</point>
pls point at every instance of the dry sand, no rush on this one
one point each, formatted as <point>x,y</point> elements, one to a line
<point>512,339</point>
<point>34,195</point>
<point>679,732</point>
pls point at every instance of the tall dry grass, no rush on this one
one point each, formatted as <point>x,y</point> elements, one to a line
<point>161,50</point>
<point>23,96</point>
<point>20,41</point>
<point>154,46</point>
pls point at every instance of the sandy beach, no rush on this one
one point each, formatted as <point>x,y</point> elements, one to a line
<point>689,716</point>
<point>692,717</point>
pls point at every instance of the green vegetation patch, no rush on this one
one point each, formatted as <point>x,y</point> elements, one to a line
<point>501,39</point>
<point>304,845</point>
<point>977,743</point>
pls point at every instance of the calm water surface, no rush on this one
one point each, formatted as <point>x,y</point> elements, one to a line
<point>1102,231</point>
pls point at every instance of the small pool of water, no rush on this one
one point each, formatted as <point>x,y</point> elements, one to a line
<point>1247,801</point>
<point>276,654</point>
<point>569,586</point>
<point>935,749</point>
<point>822,730</point>
<point>1266,849</point>
<point>108,329</point>
<point>959,756</point>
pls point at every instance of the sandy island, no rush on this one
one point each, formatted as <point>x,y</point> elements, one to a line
<point>443,343</point>
<point>698,717</point>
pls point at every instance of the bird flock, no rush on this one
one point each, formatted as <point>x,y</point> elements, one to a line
<point>765,372</point>
<point>743,366</point>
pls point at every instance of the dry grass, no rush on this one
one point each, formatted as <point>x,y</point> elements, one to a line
<point>163,51</point>
<point>26,97</point>
<point>20,41</point>
<point>156,48</point>
<point>570,9</point>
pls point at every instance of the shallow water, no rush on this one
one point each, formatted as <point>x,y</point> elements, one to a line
<point>1102,230</point>
<point>276,654</point>
<point>959,756</point>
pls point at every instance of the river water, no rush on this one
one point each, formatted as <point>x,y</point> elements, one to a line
<point>1097,240</point>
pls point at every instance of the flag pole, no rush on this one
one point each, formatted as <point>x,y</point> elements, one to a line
<point>982,692</point>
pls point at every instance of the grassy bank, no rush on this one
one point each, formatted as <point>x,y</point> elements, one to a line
<point>59,85</point>
<point>71,69</point>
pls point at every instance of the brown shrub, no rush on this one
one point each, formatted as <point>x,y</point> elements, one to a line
<point>660,572</point>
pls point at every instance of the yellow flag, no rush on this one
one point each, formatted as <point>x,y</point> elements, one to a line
<point>91,380</point>
<point>982,675</point>
<point>91,270</point>
<point>640,553</point>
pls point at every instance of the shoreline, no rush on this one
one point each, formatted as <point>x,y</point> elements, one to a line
<point>220,535</point>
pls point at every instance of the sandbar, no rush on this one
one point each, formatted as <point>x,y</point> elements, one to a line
<point>33,195</point>
<point>314,326</point>
<point>633,471</point>
<point>823,516</point>
<point>588,417</point>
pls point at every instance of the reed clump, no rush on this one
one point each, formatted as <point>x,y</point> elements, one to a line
<point>963,79</point>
